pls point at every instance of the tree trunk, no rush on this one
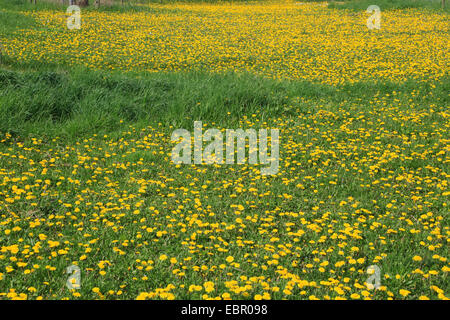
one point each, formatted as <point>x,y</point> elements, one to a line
<point>83,3</point>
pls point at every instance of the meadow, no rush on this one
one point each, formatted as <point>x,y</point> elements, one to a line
<point>86,176</point>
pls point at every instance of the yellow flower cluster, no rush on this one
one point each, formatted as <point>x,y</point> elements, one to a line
<point>352,191</point>
<point>278,40</point>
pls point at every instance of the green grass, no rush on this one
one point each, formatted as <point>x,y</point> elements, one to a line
<point>86,101</point>
<point>362,5</point>
<point>23,5</point>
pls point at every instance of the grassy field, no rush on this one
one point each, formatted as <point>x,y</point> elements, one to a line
<point>362,5</point>
<point>86,176</point>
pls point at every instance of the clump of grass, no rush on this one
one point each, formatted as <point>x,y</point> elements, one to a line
<point>87,100</point>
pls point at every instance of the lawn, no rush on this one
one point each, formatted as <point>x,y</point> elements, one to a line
<point>87,180</point>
